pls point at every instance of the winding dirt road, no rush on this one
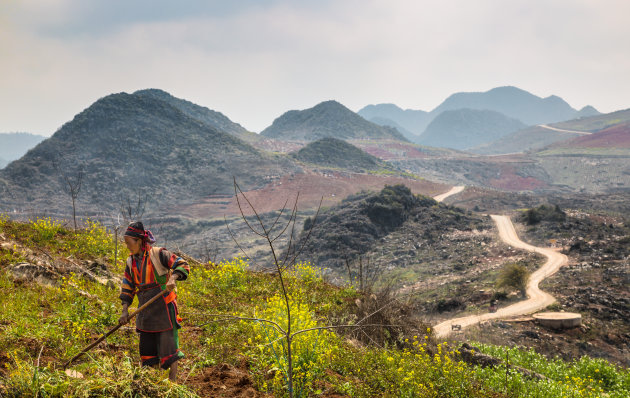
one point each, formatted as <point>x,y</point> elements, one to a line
<point>453,191</point>
<point>537,299</point>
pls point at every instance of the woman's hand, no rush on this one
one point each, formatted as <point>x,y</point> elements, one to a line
<point>170,285</point>
<point>124,317</point>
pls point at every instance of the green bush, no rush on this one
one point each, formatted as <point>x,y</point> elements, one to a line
<point>544,213</point>
<point>585,377</point>
<point>515,276</point>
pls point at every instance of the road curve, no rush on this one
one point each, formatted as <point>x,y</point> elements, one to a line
<point>452,191</point>
<point>537,299</point>
<point>563,130</point>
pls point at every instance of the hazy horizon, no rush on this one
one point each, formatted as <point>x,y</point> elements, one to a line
<point>254,60</point>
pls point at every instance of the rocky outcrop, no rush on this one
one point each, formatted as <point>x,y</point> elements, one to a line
<point>44,269</point>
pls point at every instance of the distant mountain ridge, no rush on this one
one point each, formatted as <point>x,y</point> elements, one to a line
<point>381,121</point>
<point>466,128</point>
<point>15,145</point>
<point>327,119</point>
<point>587,111</point>
<point>412,121</point>
<point>136,143</point>
<point>511,101</point>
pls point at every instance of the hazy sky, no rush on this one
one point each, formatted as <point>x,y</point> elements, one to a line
<point>255,59</point>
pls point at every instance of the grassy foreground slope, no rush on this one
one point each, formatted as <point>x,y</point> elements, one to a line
<point>43,324</point>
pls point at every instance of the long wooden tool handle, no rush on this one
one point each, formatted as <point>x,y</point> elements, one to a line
<point>115,328</point>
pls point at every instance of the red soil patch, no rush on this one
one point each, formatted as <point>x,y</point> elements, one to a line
<point>510,181</point>
<point>392,150</point>
<point>385,150</point>
<point>311,186</point>
<point>31,345</point>
<point>224,381</point>
<point>613,137</point>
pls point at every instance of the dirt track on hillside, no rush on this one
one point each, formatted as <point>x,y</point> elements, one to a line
<point>452,191</point>
<point>564,131</point>
<point>537,299</point>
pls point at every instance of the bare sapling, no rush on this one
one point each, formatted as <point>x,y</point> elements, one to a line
<point>282,262</point>
<point>72,186</point>
<point>133,209</point>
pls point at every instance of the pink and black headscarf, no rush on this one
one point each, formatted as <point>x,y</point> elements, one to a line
<point>136,230</point>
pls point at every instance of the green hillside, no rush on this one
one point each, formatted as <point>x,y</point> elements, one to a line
<point>395,228</point>
<point>537,137</point>
<point>201,113</point>
<point>333,152</point>
<point>126,144</point>
<point>528,139</point>
<point>596,122</point>
<point>610,142</point>
<point>327,119</point>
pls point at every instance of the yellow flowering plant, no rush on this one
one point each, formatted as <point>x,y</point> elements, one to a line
<point>310,350</point>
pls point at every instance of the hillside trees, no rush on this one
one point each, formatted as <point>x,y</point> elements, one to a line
<point>359,223</point>
<point>390,208</point>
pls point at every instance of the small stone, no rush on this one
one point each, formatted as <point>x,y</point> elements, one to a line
<point>74,374</point>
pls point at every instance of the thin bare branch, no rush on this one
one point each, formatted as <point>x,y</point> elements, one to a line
<point>347,261</point>
<point>283,337</point>
<point>240,209</point>
<point>292,217</point>
<point>299,251</point>
<point>266,234</point>
<point>284,289</point>
<point>262,225</point>
<point>132,209</point>
<point>340,327</point>
<point>284,207</point>
<point>377,311</point>
<point>234,317</point>
<point>284,262</point>
<point>238,244</point>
